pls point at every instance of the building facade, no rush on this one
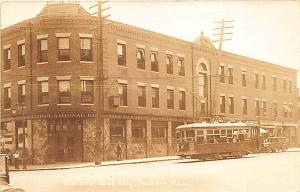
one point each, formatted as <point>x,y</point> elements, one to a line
<point>151,84</point>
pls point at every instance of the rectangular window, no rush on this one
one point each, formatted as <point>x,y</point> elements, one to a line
<point>203,108</point>
<point>263,82</point>
<point>256,80</point>
<point>155,97</point>
<point>181,67</point>
<point>169,62</point>
<point>63,49</point>
<point>182,100</point>
<point>230,75</point>
<point>290,86</point>
<point>202,81</point>
<point>275,111</point>
<point>140,58</point>
<point>244,105</point>
<point>117,133</point>
<point>274,83</point>
<point>138,131</point>
<point>257,108</point>
<point>87,91</point>
<point>86,52</point>
<point>64,91</point>
<point>121,48</point>
<point>170,99</point>
<point>290,110</point>
<point>222,104</point>
<point>122,90</point>
<point>154,61</point>
<point>7,97</point>
<point>286,110</point>
<point>284,86</point>
<point>141,96</point>
<point>244,81</point>
<point>222,74</point>
<point>231,105</point>
<point>7,59</point>
<point>42,50</point>
<point>21,93</point>
<point>264,108</point>
<point>21,55</point>
<point>43,90</point>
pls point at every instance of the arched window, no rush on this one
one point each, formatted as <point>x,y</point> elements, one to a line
<point>202,80</point>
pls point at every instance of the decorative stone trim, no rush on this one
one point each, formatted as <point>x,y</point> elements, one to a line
<point>140,46</point>
<point>222,94</point>
<point>68,77</point>
<point>121,41</point>
<point>243,97</point>
<point>244,70</point>
<point>21,42</point>
<point>181,89</point>
<point>21,82</point>
<point>42,78</point>
<point>170,87</point>
<point>180,55</point>
<point>141,84</point>
<point>6,85</point>
<point>122,81</point>
<point>45,36</point>
<point>154,49</point>
<point>84,35</point>
<point>7,46</point>
<point>230,95</point>
<point>155,85</point>
<point>87,78</point>
<point>169,52</point>
<point>62,34</point>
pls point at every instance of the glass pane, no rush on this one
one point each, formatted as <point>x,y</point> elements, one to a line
<point>120,49</point>
<point>44,86</point>
<point>64,86</point>
<point>85,43</point>
<point>63,43</point>
<point>44,45</point>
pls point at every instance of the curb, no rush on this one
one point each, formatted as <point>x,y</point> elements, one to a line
<point>92,165</point>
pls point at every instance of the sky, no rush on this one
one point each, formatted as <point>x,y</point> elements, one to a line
<point>265,30</point>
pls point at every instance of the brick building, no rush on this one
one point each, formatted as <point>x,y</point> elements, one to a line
<point>152,83</point>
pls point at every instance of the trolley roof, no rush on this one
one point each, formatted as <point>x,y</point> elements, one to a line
<point>215,124</point>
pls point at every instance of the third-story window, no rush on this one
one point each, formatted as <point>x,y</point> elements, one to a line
<point>154,61</point>
<point>169,62</point>
<point>7,97</point>
<point>42,50</point>
<point>231,105</point>
<point>141,96</point>
<point>284,86</point>
<point>140,58</point>
<point>121,49</point>
<point>256,80</point>
<point>64,89</point>
<point>222,104</point>
<point>86,53</point>
<point>122,90</point>
<point>230,75</point>
<point>7,59</point>
<point>222,74</point>
<point>286,110</point>
<point>245,107</point>
<point>155,97</point>
<point>43,96</point>
<point>244,81</point>
<point>181,67</point>
<point>63,49</point>
<point>257,108</point>
<point>181,100</point>
<point>275,111</point>
<point>263,82</point>
<point>290,86</point>
<point>21,55</point>
<point>21,93</point>
<point>87,91</point>
<point>274,83</point>
<point>264,108</point>
<point>170,99</point>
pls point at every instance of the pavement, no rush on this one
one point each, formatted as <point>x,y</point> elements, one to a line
<point>72,165</point>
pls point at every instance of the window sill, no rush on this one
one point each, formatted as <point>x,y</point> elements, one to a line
<point>43,105</point>
<point>87,104</point>
<point>42,63</point>
<point>23,66</point>
<point>123,106</point>
<point>170,74</point>
<point>182,110</point>
<point>64,104</point>
<point>155,72</point>
<point>170,109</point>
<point>63,61</point>
<point>86,62</point>
<point>142,107</point>
<point>7,109</point>
<point>182,76</point>
<point>7,70</point>
<point>141,69</point>
<point>155,108</point>
<point>125,67</point>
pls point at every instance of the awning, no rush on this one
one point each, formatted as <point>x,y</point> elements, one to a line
<point>261,130</point>
<point>286,108</point>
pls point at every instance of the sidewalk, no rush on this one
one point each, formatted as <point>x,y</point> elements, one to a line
<point>72,165</point>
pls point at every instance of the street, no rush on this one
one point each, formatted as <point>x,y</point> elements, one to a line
<point>274,172</point>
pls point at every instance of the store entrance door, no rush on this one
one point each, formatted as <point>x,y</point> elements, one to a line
<point>65,147</point>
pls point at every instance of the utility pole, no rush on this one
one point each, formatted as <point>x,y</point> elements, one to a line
<point>99,136</point>
<point>221,33</point>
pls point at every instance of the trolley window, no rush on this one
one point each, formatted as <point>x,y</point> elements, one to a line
<point>223,138</point>
<point>229,135</point>
<point>200,139</point>
<point>210,136</point>
<point>217,138</point>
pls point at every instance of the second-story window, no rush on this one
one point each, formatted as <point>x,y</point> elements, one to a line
<point>244,106</point>
<point>63,49</point>
<point>122,91</point>
<point>256,80</point>
<point>21,93</point>
<point>7,59</point>
<point>140,58</point>
<point>141,96</point>
<point>169,62</point>
<point>86,53</point>
<point>286,110</point>
<point>290,86</point>
<point>222,104</point>
<point>121,49</point>
<point>43,96</point>
<point>231,105</point>
<point>230,75</point>
<point>87,91</point>
<point>154,61</point>
<point>244,81</point>
<point>275,111</point>
<point>222,74</point>
<point>181,67</point>
<point>170,99</point>
<point>264,108</point>
<point>182,100</point>
<point>21,55</point>
<point>284,86</point>
<point>257,108</point>
<point>7,97</point>
<point>274,83</point>
<point>155,97</point>
<point>263,82</point>
<point>64,90</point>
<point>42,50</point>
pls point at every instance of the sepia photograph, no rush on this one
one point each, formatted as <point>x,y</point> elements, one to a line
<point>150,96</point>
